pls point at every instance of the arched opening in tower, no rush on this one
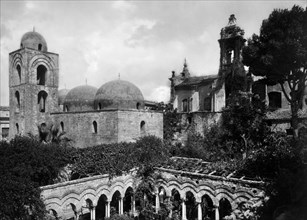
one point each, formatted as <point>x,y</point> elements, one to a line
<point>41,100</point>
<point>41,75</point>
<point>18,68</point>
<point>17,98</point>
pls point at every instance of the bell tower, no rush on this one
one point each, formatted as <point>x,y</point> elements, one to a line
<point>33,85</point>
<point>231,69</point>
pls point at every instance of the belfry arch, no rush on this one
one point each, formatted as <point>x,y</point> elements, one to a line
<point>41,75</point>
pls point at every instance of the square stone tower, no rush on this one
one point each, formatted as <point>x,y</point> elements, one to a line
<point>33,85</point>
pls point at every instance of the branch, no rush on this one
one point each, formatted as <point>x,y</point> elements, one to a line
<point>285,93</point>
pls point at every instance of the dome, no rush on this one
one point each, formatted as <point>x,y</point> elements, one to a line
<point>119,94</point>
<point>80,98</point>
<point>62,94</point>
<point>34,41</point>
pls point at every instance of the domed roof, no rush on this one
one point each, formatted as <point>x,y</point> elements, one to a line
<point>81,98</point>
<point>33,40</point>
<point>62,94</point>
<point>119,94</point>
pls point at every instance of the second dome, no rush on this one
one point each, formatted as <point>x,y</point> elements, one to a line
<point>119,94</point>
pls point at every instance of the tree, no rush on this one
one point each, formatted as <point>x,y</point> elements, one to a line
<point>26,164</point>
<point>279,54</point>
<point>243,121</point>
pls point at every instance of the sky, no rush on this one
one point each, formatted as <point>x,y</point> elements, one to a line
<point>140,41</point>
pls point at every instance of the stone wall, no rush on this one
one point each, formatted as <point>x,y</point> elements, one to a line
<point>112,126</point>
<point>129,124</point>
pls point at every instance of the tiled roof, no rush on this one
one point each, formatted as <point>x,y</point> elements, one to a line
<point>285,114</point>
<point>195,80</point>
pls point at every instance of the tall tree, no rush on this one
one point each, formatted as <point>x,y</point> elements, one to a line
<point>279,54</point>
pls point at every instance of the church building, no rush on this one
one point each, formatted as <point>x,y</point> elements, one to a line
<point>89,116</point>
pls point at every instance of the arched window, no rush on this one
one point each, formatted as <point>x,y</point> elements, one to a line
<point>19,73</point>
<point>41,100</point>
<point>138,105</point>
<point>41,75</point>
<point>142,128</point>
<point>66,108</point>
<point>99,106</point>
<point>17,128</point>
<point>94,127</point>
<point>17,99</point>
<point>207,103</point>
<point>40,46</point>
<point>62,126</point>
<point>185,105</point>
<point>274,100</point>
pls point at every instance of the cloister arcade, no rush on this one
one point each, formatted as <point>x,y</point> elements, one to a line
<point>98,197</point>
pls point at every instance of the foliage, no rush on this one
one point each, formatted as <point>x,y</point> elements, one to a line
<point>119,217</point>
<point>243,121</point>
<point>279,54</point>
<point>242,130</point>
<point>26,164</point>
<point>171,125</point>
<point>114,159</point>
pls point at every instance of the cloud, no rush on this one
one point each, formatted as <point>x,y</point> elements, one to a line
<point>123,6</point>
<point>160,94</point>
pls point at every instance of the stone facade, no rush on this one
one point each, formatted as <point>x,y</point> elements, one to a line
<point>111,125</point>
<point>34,102</point>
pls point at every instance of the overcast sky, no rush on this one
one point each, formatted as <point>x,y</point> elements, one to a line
<point>142,40</point>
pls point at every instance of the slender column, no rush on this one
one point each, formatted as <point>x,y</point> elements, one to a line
<point>184,215</point>
<point>93,213</point>
<point>157,202</point>
<point>121,206</point>
<point>199,213</point>
<point>217,213</point>
<point>108,209</point>
<point>133,206</point>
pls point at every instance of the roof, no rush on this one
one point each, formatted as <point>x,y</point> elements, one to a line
<point>119,90</point>
<point>196,80</point>
<point>32,40</point>
<point>81,95</point>
<point>285,114</point>
<point>62,94</point>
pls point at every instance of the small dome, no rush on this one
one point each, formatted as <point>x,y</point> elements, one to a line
<point>62,94</point>
<point>119,94</point>
<point>80,98</point>
<point>34,41</point>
